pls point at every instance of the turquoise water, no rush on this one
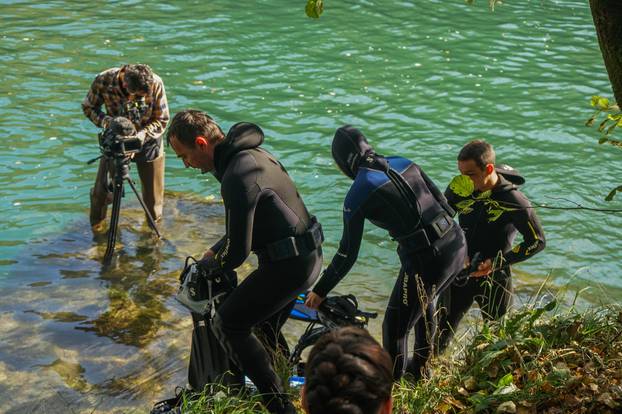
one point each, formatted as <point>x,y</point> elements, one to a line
<point>419,79</point>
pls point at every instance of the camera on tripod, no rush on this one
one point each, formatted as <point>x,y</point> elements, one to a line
<point>119,139</point>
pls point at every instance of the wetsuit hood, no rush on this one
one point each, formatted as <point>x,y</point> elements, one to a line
<point>350,148</point>
<point>242,136</point>
<point>510,174</point>
<point>503,185</point>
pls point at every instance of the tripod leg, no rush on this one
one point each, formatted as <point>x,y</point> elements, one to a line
<point>142,203</point>
<point>114,219</point>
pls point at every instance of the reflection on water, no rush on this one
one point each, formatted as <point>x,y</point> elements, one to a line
<point>86,332</point>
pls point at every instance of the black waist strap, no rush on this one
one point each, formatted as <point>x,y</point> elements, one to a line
<point>427,235</point>
<point>294,246</point>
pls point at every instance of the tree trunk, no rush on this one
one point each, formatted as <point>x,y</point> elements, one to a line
<point>607,16</point>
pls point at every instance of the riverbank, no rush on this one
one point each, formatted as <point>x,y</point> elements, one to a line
<point>540,359</point>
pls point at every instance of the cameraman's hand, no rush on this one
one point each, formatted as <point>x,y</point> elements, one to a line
<point>141,135</point>
<point>208,254</point>
<point>313,300</point>
<point>106,121</point>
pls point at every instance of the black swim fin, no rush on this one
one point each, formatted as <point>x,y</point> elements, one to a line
<point>209,362</point>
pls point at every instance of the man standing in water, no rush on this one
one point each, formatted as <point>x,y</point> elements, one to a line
<point>265,214</point>
<point>136,93</point>
<point>490,223</point>
<point>395,194</point>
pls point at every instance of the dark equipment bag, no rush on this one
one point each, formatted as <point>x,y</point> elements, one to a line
<point>209,362</point>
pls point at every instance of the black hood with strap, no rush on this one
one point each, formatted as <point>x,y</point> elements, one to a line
<point>350,148</point>
<point>242,136</point>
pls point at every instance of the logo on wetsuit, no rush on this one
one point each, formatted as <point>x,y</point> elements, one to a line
<point>405,289</point>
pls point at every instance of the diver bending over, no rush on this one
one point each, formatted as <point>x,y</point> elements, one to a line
<point>265,214</point>
<point>396,195</point>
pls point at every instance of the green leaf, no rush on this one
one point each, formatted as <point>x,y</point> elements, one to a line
<point>550,305</point>
<point>603,103</point>
<point>494,214</point>
<point>594,100</point>
<point>504,381</point>
<point>602,140</point>
<point>485,194</point>
<point>464,206</point>
<point>613,193</point>
<point>462,186</point>
<point>314,8</point>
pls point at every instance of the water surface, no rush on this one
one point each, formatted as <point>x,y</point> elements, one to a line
<point>419,78</point>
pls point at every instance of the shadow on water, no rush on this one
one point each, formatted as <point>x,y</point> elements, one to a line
<point>80,337</point>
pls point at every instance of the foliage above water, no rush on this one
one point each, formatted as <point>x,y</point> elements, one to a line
<point>314,8</point>
<point>612,120</point>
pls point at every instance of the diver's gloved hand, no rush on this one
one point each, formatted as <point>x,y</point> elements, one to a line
<point>209,266</point>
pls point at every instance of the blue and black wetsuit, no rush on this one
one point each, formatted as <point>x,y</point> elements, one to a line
<point>431,245</point>
<point>490,225</point>
<point>264,212</point>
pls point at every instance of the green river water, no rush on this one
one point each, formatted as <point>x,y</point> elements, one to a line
<point>419,78</point>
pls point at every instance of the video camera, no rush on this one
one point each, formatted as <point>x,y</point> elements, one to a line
<point>119,139</point>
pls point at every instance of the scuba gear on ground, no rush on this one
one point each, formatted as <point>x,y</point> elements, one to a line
<point>295,245</point>
<point>334,312</point>
<point>173,405</point>
<point>200,287</point>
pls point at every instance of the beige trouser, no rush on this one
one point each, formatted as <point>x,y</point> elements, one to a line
<point>151,175</point>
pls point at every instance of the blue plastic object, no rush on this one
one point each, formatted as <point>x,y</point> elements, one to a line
<point>302,312</point>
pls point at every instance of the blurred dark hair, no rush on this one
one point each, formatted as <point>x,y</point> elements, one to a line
<point>139,78</point>
<point>122,126</point>
<point>479,151</point>
<point>191,123</point>
<point>347,372</point>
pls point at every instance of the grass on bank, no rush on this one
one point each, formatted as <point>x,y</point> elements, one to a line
<point>536,360</point>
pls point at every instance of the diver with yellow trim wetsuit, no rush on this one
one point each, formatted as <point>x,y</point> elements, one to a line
<point>490,222</point>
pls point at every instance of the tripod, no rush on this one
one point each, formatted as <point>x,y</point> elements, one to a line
<point>121,174</point>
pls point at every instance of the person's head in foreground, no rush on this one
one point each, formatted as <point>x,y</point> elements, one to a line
<point>348,372</point>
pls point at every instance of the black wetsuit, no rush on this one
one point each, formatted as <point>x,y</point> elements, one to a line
<point>490,229</point>
<point>425,270</point>
<point>262,206</point>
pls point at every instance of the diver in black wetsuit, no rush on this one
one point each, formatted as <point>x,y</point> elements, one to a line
<point>490,226</point>
<point>265,214</point>
<point>396,195</point>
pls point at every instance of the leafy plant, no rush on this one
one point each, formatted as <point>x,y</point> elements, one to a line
<point>612,120</point>
<point>463,186</point>
<point>314,8</point>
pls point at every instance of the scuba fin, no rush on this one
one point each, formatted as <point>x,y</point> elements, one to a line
<point>209,362</point>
